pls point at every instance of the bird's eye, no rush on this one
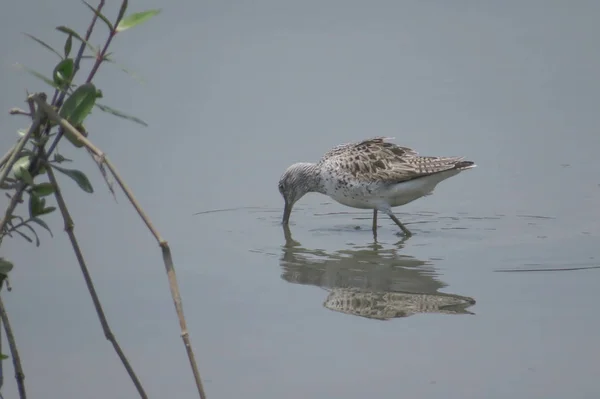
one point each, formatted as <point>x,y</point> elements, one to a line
<point>280,186</point>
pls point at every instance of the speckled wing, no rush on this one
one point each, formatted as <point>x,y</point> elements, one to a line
<point>378,160</point>
<point>370,146</point>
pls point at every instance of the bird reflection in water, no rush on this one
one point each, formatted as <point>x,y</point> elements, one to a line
<point>370,281</point>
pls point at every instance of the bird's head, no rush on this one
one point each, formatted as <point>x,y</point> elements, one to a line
<point>297,180</point>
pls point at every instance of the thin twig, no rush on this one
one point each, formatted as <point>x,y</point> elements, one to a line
<point>88,34</point>
<point>15,227</point>
<point>166,252</point>
<point>14,352</point>
<point>100,56</point>
<point>9,159</point>
<point>57,100</point>
<point>18,111</point>
<point>15,199</point>
<point>100,163</point>
<point>1,362</point>
<point>6,156</point>
<point>69,228</point>
<point>22,141</point>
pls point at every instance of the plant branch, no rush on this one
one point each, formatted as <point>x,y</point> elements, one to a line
<point>111,35</point>
<point>17,111</point>
<point>14,352</point>
<point>58,99</point>
<point>16,227</point>
<point>69,228</point>
<point>15,199</point>
<point>20,145</point>
<point>9,159</point>
<point>100,57</point>
<point>6,156</point>
<point>166,252</point>
<point>1,363</point>
<point>88,34</point>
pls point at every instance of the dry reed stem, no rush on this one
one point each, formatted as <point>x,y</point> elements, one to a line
<point>69,228</point>
<point>166,251</point>
<point>19,375</point>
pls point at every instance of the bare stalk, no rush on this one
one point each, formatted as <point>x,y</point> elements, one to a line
<point>69,228</point>
<point>166,251</point>
<point>14,352</point>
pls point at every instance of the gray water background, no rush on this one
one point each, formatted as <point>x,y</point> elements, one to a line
<point>237,91</point>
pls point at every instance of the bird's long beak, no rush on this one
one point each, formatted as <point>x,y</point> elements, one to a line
<point>287,211</point>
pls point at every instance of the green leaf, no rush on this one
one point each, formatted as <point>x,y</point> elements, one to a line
<point>38,75</point>
<point>3,356</point>
<point>43,44</point>
<point>5,266</point>
<point>63,72</point>
<point>19,218</point>
<point>68,45</point>
<point>99,14</point>
<point>20,169</point>
<point>25,236</point>
<point>25,176</point>
<point>27,152</point>
<point>78,176</point>
<point>120,114</point>
<point>60,159</point>
<point>48,210</point>
<point>135,19</point>
<point>36,205</point>
<point>43,224</point>
<point>76,35</point>
<point>127,71</point>
<point>41,170</point>
<point>43,189</point>
<point>23,162</point>
<point>37,239</point>
<point>77,107</point>
<point>79,104</point>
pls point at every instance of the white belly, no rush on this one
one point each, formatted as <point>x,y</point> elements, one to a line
<point>381,196</point>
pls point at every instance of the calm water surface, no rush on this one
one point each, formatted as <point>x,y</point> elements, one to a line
<point>496,294</point>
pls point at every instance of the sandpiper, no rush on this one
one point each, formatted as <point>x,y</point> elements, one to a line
<point>371,174</point>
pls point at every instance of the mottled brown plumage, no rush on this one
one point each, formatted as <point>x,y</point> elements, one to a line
<point>378,160</point>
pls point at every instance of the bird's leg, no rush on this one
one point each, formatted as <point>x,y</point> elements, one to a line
<point>407,232</point>
<point>375,222</point>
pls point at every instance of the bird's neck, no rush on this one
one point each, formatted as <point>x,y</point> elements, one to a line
<point>311,178</point>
